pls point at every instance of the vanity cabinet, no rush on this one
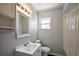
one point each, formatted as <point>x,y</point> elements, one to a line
<point>38,52</point>
<point>33,49</point>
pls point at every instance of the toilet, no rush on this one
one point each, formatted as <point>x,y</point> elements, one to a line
<point>45,50</point>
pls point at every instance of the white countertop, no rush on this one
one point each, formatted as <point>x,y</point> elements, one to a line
<point>29,49</point>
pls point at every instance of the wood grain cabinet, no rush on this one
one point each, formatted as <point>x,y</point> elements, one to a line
<point>7,15</point>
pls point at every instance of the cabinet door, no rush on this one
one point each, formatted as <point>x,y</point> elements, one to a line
<point>8,9</point>
<point>38,52</point>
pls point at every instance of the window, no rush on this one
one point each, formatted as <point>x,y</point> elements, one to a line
<point>45,23</point>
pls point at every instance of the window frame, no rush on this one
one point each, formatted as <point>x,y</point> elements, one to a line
<point>44,24</point>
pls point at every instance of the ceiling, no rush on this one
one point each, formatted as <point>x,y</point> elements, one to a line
<point>45,6</point>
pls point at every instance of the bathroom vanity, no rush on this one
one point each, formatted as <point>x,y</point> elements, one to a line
<point>32,49</point>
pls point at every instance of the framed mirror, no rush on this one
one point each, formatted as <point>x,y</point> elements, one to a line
<point>22,24</point>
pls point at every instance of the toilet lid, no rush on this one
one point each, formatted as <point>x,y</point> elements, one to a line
<point>45,49</point>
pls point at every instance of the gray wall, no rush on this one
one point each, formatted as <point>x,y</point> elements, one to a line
<point>8,39</point>
<point>53,37</point>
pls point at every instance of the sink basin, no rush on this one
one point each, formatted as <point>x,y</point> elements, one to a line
<point>29,48</point>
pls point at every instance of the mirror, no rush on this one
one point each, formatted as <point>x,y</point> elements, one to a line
<point>22,24</point>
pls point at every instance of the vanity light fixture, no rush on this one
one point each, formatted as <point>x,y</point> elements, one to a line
<point>24,8</point>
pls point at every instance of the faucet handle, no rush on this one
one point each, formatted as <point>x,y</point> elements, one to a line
<point>25,43</point>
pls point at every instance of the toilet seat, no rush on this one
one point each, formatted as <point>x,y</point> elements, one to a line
<point>45,49</point>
